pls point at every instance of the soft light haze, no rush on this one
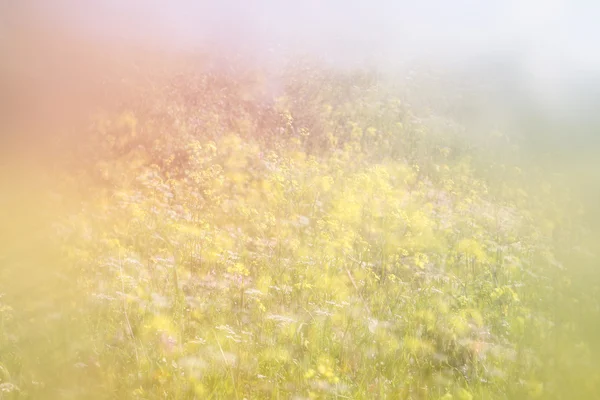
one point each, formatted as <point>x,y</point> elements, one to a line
<point>542,32</point>
<point>518,55</point>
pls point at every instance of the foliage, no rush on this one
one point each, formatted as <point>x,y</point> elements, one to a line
<point>327,243</point>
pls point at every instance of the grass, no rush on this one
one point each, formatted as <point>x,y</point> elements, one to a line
<point>199,242</point>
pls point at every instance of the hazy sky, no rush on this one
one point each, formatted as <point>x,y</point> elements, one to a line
<point>548,35</point>
<point>553,43</point>
<point>551,46</point>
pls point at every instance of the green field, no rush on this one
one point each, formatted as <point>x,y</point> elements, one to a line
<point>208,238</point>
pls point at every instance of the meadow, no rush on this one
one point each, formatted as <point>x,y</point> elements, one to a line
<point>205,237</point>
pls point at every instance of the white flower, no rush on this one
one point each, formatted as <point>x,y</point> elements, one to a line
<point>8,387</point>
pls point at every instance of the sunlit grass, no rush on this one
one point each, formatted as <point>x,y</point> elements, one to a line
<point>331,246</point>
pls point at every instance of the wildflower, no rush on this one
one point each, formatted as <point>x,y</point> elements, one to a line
<point>8,387</point>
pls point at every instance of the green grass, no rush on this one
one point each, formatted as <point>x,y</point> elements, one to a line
<point>330,245</point>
